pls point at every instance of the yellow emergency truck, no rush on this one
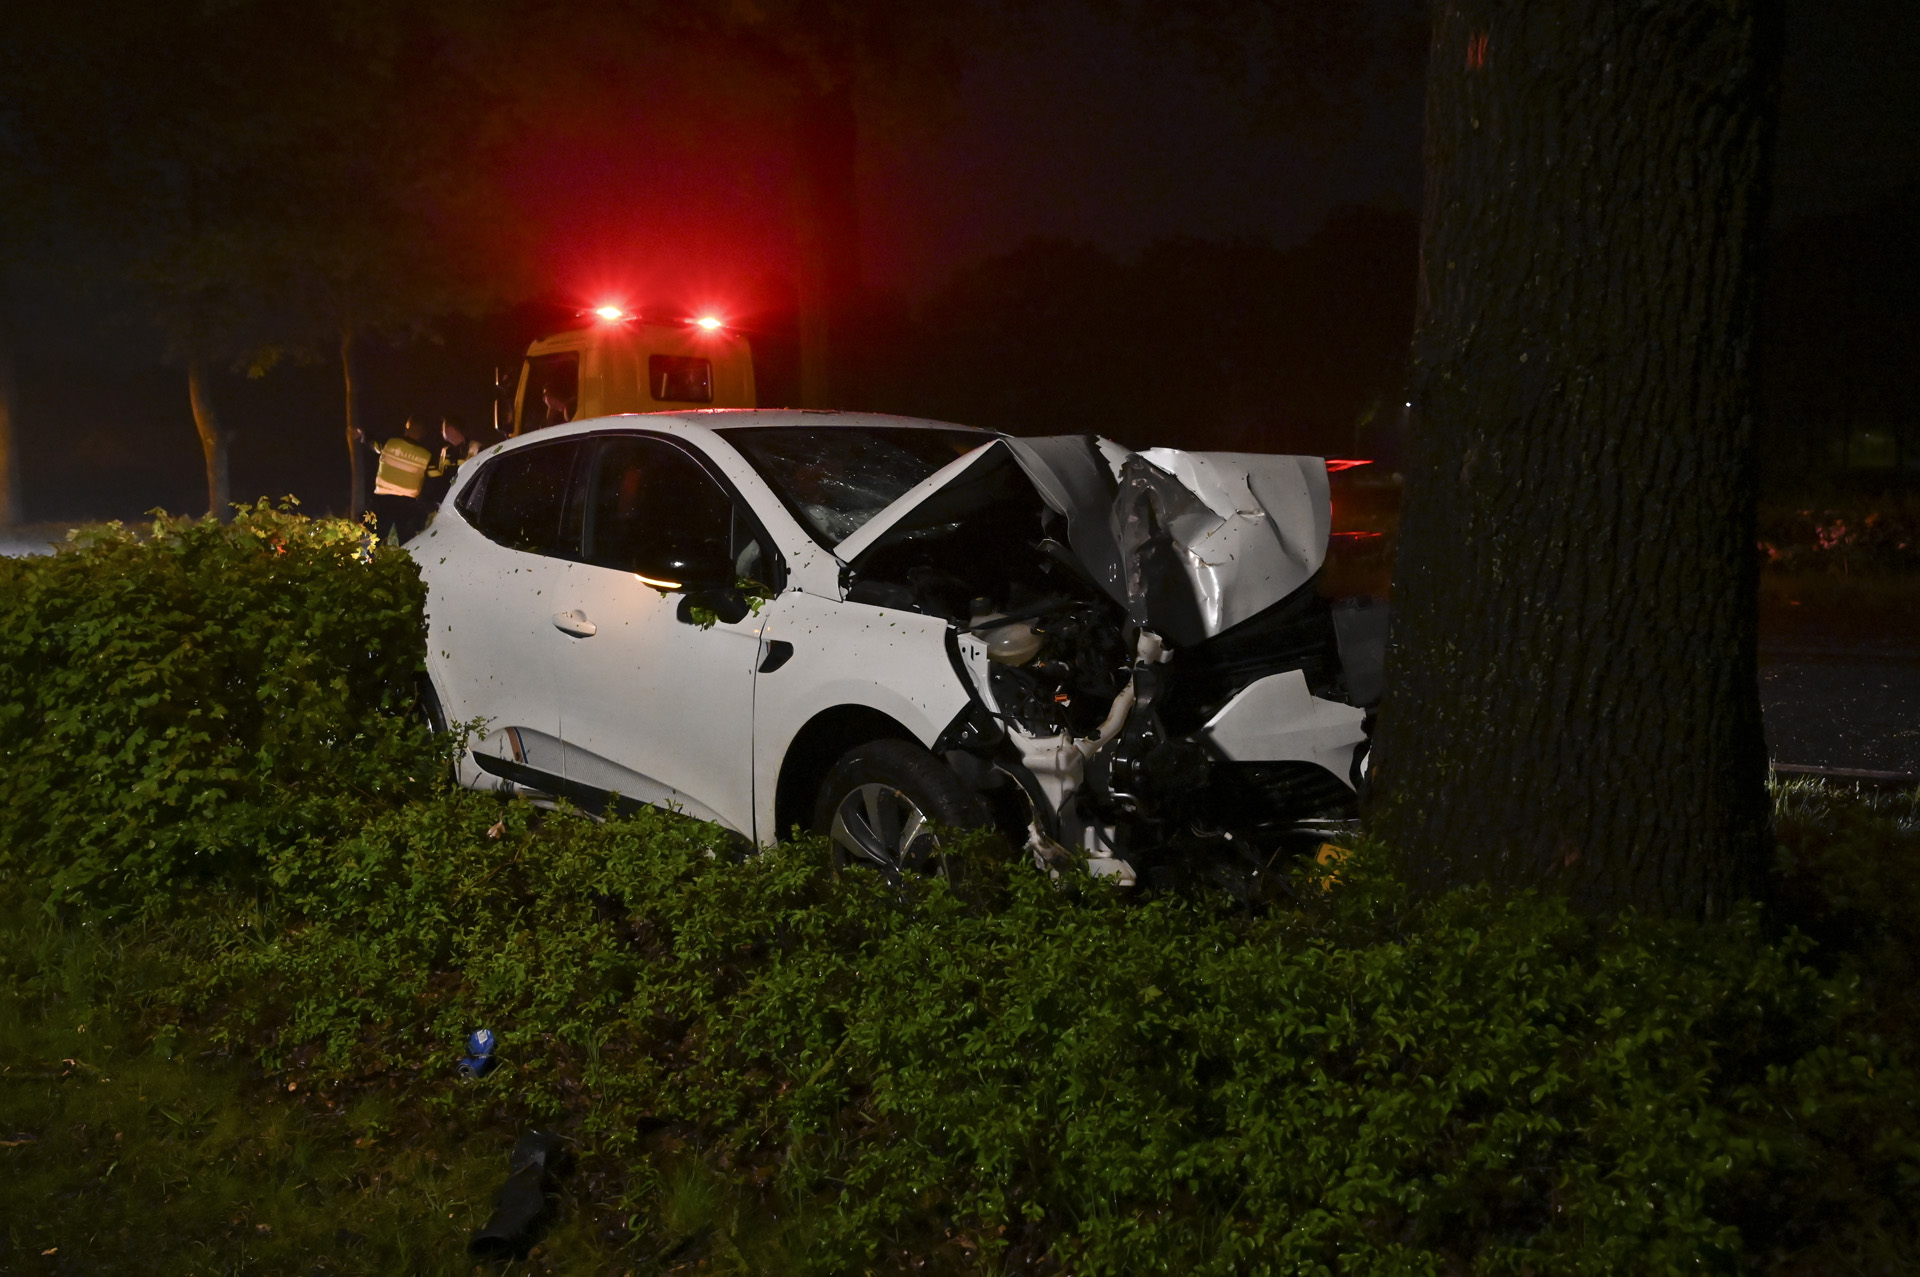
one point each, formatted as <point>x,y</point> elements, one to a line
<point>619,363</point>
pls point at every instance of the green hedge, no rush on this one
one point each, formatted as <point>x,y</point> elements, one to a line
<point>1370,1084</point>
<point>1000,1076</point>
<point>181,699</point>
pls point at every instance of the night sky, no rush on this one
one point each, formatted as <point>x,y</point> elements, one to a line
<point>1070,129</point>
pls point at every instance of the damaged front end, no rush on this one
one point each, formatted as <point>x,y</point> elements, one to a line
<point>1156,683</point>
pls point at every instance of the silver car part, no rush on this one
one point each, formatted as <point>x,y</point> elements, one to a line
<point>880,824</point>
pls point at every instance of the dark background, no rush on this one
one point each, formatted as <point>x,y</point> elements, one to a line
<point>1090,236</point>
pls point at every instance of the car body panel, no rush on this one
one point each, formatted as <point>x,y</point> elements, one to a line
<point>1262,535</point>
<point>1276,719</point>
<point>629,692</point>
<point>492,642</point>
<point>847,654</point>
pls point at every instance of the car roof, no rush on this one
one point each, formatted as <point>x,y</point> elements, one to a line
<point>697,420</point>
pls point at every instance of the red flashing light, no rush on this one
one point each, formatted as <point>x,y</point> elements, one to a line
<point>1334,464</point>
<point>609,312</point>
<point>708,322</point>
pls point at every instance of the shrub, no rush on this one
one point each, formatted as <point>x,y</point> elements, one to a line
<point>1010,1073</point>
<point>1017,1070</point>
<point>176,702</point>
<point>1856,534</point>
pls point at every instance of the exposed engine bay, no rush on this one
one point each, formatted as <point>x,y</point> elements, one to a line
<point>1156,682</point>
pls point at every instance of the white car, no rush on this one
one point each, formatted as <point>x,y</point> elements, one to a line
<point>866,625</point>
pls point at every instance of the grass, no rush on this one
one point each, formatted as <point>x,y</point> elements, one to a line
<point>145,1150</point>
<point>141,1155</point>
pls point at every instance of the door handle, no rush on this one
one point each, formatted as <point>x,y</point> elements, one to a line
<point>574,622</point>
<point>779,652</point>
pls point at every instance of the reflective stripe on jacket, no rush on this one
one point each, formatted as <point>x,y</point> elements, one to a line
<point>403,468</point>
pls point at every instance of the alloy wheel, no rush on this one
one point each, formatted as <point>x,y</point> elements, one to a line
<point>879,824</point>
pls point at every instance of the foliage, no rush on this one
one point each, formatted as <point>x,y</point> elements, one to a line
<point>751,595</point>
<point>1842,537</point>
<point>1013,1069</point>
<point>179,701</point>
<point>792,1068</point>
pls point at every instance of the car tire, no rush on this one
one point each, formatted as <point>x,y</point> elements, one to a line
<point>877,802</point>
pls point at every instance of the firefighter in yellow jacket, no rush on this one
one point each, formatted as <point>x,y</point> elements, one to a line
<point>402,472</point>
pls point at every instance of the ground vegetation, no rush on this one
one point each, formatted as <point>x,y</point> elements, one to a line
<point>248,1060</point>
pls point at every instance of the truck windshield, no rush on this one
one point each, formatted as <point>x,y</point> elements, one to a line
<point>835,478</point>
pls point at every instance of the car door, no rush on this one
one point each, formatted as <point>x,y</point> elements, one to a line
<point>655,706</point>
<point>494,580</point>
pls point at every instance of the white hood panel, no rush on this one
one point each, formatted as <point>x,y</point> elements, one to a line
<point>1261,535</point>
<point>1192,543</point>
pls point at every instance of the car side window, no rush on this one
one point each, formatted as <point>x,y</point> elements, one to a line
<point>520,500</point>
<point>655,511</point>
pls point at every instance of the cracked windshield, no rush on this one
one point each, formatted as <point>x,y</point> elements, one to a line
<point>835,478</point>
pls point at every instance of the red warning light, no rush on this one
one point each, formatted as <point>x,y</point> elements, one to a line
<point>609,312</point>
<point>708,322</point>
<point>1334,464</point>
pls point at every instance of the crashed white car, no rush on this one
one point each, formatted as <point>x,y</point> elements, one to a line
<point>873,626</point>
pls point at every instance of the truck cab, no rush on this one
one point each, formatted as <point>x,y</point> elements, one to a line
<point>621,364</point>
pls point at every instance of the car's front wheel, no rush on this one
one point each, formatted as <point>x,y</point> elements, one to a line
<point>880,803</point>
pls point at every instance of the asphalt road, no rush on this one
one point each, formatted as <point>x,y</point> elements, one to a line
<point>30,541</point>
<point>1851,707</point>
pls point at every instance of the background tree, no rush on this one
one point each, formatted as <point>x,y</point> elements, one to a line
<point>391,224</point>
<point>1225,344</point>
<point>131,178</point>
<point>1574,694</point>
<point>269,179</point>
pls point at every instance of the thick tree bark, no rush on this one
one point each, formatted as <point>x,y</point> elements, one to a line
<point>213,442</point>
<point>356,479</point>
<point>827,234</point>
<point>11,514</point>
<point>1574,703</point>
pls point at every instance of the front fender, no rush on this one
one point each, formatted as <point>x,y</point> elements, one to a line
<point>885,660</point>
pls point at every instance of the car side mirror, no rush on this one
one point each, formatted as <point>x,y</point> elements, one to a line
<point>709,590</point>
<point>704,607</point>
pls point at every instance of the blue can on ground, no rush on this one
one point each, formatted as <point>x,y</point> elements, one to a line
<point>479,1057</point>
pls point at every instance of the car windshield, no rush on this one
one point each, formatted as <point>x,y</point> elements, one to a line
<point>835,478</point>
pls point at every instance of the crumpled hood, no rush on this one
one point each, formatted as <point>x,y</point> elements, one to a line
<point>1190,543</point>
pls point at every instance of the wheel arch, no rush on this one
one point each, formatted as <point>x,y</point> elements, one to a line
<point>814,750</point>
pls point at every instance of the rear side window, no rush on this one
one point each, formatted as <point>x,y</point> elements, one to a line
<point>520,500</point>
<point>680,379</point>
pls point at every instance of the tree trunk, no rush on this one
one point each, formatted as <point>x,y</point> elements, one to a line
<point>11,513</point>
<point>356,479</point>
<point>213,442</point>
<point>1573,698</point>
<point>827,235</point>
